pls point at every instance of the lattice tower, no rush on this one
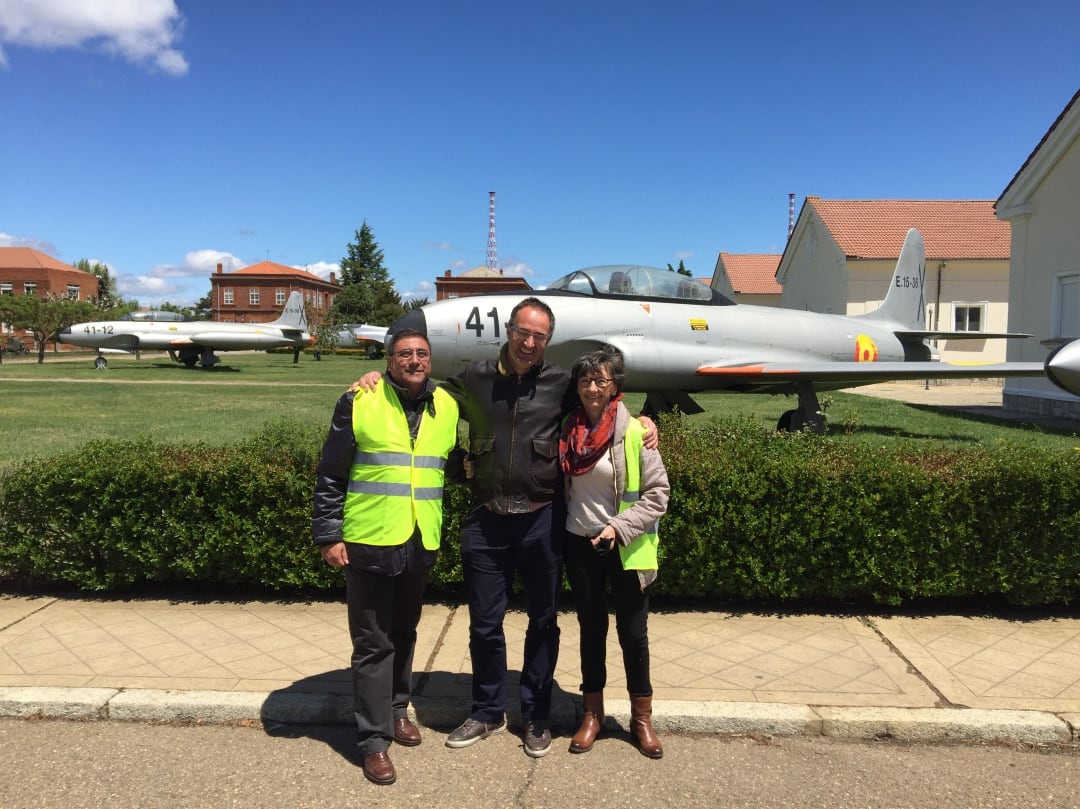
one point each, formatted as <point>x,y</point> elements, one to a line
<point>492,260</point>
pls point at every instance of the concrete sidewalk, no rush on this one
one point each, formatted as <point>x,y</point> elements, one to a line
<point>935,678</point>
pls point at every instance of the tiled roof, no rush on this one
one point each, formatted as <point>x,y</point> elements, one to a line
<point>270,268</point>
<point>27,258</point>
<point>752,273</point>
<point>481,272</point>
<point>952,229</point>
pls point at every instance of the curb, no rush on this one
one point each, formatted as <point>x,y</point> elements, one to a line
<point>925,725</point>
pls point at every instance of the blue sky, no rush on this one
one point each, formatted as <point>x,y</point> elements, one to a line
<point>162,137</point>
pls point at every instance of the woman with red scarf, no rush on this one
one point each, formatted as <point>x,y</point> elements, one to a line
<point>616,491</point>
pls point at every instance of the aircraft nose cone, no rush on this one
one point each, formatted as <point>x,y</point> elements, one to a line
<point>414,320</point>
<point>1063,367</point>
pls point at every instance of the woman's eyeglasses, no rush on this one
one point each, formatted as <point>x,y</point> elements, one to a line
<point>600,382</point>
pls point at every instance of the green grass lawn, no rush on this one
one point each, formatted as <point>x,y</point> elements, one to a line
<point>55,407</point>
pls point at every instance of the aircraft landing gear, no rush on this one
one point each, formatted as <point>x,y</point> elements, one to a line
<point>100,363</point>
<point>191,356</point>
<point>808,415</point>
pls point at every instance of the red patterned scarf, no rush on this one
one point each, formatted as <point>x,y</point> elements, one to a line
<point>581,444</point>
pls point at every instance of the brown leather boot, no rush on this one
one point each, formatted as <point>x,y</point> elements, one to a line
<point>591,724</point>
<point>641,728</point>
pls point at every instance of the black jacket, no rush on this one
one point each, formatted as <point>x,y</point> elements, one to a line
<point>514,426</point>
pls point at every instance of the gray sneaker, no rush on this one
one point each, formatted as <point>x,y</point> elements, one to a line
<point>470,732</point>
<point>537,739</point>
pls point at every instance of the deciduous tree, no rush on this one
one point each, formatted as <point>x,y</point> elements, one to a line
<point>44,317</point>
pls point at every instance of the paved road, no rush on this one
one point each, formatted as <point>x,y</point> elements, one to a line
<point>70,765</point>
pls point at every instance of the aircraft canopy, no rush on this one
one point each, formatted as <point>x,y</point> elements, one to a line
<point>631,281</point>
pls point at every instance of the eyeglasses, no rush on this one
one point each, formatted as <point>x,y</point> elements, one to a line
<point>407,353</point>
<point>525,334</point>
<point>600,382</point>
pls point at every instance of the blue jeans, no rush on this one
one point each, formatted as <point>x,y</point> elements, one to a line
<point>493,548</point>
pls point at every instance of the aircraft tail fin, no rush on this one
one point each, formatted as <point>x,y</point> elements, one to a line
<point>904,306</point>
<point>293,316</point>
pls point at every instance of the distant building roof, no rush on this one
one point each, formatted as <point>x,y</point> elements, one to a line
<point>951,229</point>
<point>752,273</point>
<point>481,272</point>
<point>20,258</point>
<point>270,268</point>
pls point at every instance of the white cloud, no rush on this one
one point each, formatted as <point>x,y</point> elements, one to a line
<point>7,240</point>
<point>144,32</point>
<point>516,267</point>
<point>683,254</point>
<point>439,245</point>
<point>323,269</point>
<point>182,283</point>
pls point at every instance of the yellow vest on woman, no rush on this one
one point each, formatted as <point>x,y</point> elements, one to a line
<point>640,554</point>
<point>396,484</point>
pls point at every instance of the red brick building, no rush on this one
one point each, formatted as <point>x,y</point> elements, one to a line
<point>477,281</point>
<point>25,271</point>
<point>257,294</point>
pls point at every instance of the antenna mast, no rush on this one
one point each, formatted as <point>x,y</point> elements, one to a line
<point>492,261</point>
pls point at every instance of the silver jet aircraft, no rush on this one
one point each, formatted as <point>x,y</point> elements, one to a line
<point>680,336</point>
<point>192,341</point>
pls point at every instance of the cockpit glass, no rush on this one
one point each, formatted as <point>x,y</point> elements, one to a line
<point>635,281</point>
<point>156,315</point>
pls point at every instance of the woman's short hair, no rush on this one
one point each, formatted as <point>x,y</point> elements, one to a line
<point>605,360</point>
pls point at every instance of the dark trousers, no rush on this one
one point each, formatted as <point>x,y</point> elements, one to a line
<point>590,575</point>
<point>493,548</point>
<point>383,614</point>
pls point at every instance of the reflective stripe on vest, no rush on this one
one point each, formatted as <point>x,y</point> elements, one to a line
<point>395,483</point>
<point>640,554</point>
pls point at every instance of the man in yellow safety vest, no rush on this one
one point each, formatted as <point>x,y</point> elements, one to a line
<point>378,515</point>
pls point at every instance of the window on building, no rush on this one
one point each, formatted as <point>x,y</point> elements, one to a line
<point>73,291</point>
<point>30,288</point>
<point>968,316</point>
<point>253,297</point>
<point>451,295</point>
<point>1067,306</point>
<point>227,297</point>
<point>5,289</point>
<point>279,297</point>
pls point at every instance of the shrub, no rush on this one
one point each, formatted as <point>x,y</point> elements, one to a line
<point>752,516</point>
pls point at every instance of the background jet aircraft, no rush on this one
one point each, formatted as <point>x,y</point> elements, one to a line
<point>193,341</point>
<point>680,336</point>
<point>359,335</point>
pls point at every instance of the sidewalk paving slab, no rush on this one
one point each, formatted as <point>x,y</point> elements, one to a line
<point>939,678</point>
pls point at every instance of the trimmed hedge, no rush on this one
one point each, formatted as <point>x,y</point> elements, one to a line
<point>752,516</point>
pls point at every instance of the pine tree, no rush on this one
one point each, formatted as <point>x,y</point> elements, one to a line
<point>368,294</point>
<point>363,260</point>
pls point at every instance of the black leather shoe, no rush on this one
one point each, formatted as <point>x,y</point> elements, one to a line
<point>406,733</point>
<point>379,769</point>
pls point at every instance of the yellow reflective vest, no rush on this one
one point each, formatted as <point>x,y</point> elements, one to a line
<point>396,484</point>
<point>640,554</point>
